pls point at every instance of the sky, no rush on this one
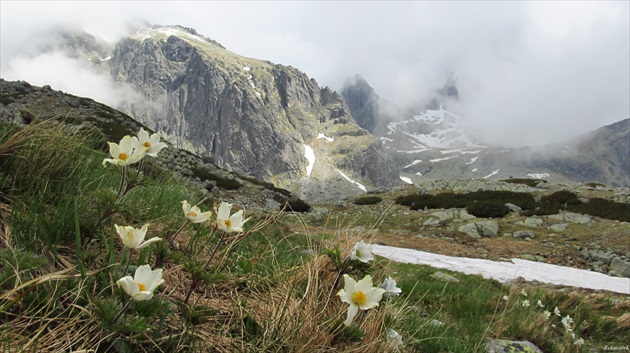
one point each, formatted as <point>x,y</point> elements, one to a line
<point>528,73</point>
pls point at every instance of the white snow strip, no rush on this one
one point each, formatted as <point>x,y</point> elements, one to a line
<point>310,155</point>
<point>406,180</point>
<point>476,169</point>
<point>413,163</point>
<point>509,271</point>
<point>246,68</point>
<point>107,58</point>
<point>419,173</point>
<point>442,159</point>
<point>322,136</point>
<point>360,186</point>
<point>491,174</point>
<point>472,160</point>
<point>386,139</point>
<point>538,175</point>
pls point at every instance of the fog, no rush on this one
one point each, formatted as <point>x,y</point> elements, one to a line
<point>527,73</point>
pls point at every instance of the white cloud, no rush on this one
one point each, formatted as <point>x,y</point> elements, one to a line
<point>527,72</point>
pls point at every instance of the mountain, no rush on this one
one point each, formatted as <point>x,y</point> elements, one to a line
<point>250,116</point>
<point>432,143</point>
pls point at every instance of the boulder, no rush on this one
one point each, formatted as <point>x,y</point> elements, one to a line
<point>533,222</point>
<point>558,227</point>
<point>501,346</point>
<point>432,222</point>
<point>470,229</point>
<point>574,218</point>
<point>513,207</point>
<point>487,228</point>
<point>523,234</point>
<point>620,267</point>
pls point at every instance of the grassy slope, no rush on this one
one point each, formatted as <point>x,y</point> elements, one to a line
<point>271,292</point>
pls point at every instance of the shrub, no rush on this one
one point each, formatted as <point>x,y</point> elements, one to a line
<point>368,200</point>
<point>562,197</point>
<point>487,209</point>
<point>603,208</point>
<point>525,181</point>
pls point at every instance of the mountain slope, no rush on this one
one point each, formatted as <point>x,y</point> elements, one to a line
<point>248,115</point>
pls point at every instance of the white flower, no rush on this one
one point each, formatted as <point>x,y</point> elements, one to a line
<point>362,252</point>
<point>547,314</point>
<point>151,143</point>
<point>194,214</point>
<point>539,304</point>
<point>141,286</point>
<point>390,288</point>
<point>523,292</point>
<point>577,342</point>
<point>556,311</point>
<point>567,322</point>
<point>228,223</point>
<point>525,303</point>
<point>360,295</point>
<point>124,154</point>
<point>505,297</point>
<point>134,238</point>
<point>394,339</point>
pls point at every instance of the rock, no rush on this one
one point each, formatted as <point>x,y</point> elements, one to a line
<point>436,323</point>
<point>502,346</point>
<point>602,257</point>
<point>528,257</point>
<point>487,228</point>
<point>558,227</point>
<point>470,229</point>
<point>439,275</point>
<point>444,215</point>
<point>523,234</point>
<point>513,207</point>
<point>574,218</point>
<point>533,222</point>
<point>432,222</point>
<point>272,204</point>
<point>620,266</point>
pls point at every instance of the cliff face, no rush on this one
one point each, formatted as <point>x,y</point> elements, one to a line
<point>250,116</point>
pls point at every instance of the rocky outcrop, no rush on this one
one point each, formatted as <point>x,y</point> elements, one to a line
<point>249,116</point>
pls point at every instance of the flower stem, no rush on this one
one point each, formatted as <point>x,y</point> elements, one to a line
<point>128,262</point>
<point>124,308</point>
<point>170,242</point>
<point>122,182</point>
<point>194,283</point>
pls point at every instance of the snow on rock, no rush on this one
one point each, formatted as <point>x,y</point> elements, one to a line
<point>322,136</point>
<point>310,155</point>
<point>472,160</point>
<point>442,159</point>
<point>413,163</point>
<point>491,174</point>
<point>538,175</point>
<point>406,180</point>
<point>360,186</point>
<point>246,68</point>
<point>509,271</point>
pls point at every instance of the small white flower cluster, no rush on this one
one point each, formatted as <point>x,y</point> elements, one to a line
<point>362,295</point>
<point>131,150</point>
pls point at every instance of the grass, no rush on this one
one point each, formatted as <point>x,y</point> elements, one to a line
<point>271,288</point>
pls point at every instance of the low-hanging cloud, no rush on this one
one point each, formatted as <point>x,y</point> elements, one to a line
<point>527,73</point>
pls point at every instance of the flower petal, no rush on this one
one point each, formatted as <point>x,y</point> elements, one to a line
<point>352,312</point>
<point>148,242</point>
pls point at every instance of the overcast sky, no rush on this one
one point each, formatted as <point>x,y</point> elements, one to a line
<point>527,72</point>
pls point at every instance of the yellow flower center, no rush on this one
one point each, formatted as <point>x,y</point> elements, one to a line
<point>228,223</point>
<point>358,253</point>
<point>147,144</point>
<point>192,214</point>
<point>359,298</point>
<point>123,156</point>
<point>141,287</point>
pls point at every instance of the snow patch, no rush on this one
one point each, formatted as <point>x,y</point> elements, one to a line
<point>246,68</point>
<point>310,155</point>
<point>360,186</point>
<point>476,169</point>
<point>442,159</point>
<point>406,180</point>
<point>472,160</point>
<point>538,175</point>
<point>509,271</point>
<point>491,174</point>
<point>413,163</point>
<point>322,136</point>
<point>107,58</point>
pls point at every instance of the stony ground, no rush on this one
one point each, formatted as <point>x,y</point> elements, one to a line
<point>602,245</point>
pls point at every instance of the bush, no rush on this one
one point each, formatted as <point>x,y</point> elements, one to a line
<point>368,200</point>
<point>525,181</point>
<point>562,197</point>
<point>487,209</point>
<point>603,208</point>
